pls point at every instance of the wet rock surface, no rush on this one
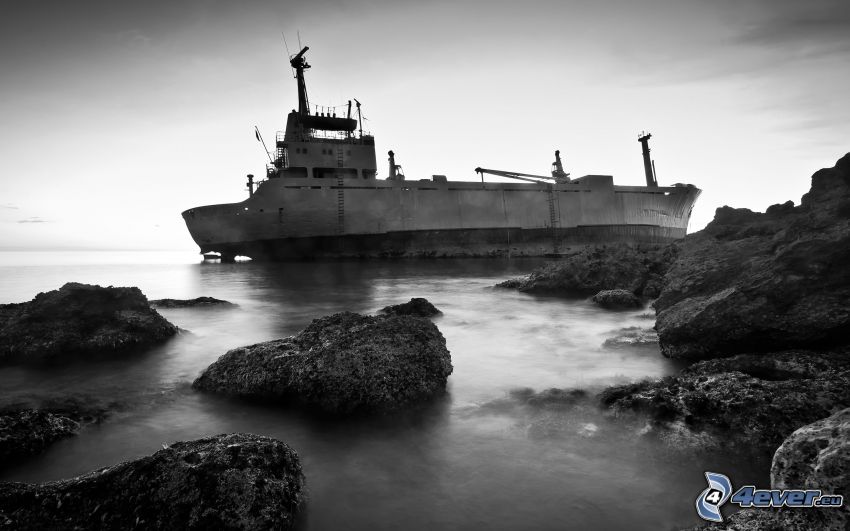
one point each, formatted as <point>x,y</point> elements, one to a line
<point>190,303</point>
<point>416,306</point>
<point>638,269</point>
<point>748,403</point>
<point>29,431</point>
<point>617,299</point>
<point>344,363</point>
<point>79,320</point>
<point>753,282</point>
<point>236,481</point>
<point>632,336</point>
<point>28,427</point>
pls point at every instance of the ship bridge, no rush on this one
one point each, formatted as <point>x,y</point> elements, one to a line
<point>321,144</point>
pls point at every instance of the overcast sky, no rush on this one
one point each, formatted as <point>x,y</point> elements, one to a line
<point>117,116</point>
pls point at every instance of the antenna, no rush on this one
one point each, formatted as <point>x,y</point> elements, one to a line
<point>359,117</point>
<point>299,38</point>
<point>288,55</point>
<point>260,138</point>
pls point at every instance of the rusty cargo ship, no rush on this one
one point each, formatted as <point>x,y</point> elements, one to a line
<point>322,198</point>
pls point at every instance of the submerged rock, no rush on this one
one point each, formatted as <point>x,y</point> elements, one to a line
<point>633,336</point>
<point>598,268</point>
<point>189,303</point>
<point>343,363</point>
<point>236,481</point>
<point>415,306</point>
<point>79,319</point>
<point>752,282</point>
<point>29,431</point>
<point>29,425</point>
<point>617,299</point>
<point>749,402</point>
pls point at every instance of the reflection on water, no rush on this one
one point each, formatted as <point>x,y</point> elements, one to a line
<point>476,459</point>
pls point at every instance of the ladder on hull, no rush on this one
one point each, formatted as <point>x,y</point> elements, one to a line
<point>554,218</point>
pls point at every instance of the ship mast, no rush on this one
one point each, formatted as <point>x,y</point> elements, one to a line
<point>300,64</point>
<point>648,164</point>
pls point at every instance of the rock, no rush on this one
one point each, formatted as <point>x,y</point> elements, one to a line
<point>597,268</point>
<point>553,398</point>
<point>617,299</point>
<point>343,363</point>
<point>767,520</point>
<point>749,402</point>
<point>79,319</point>
<point>816,456</point>
<point>416,306</point>
<point>752,282</point>
<point>29,426</point>
<point>189,303</point>
<point>29,431</point>
<point>632,336</point>
<point>236,481</point>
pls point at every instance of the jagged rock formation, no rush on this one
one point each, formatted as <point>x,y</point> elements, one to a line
<point>79,319</point>
<point>189,303</point>
<point>752,282</point>
<point>236,481</point>
<point>343,363</point>
<point>416,306</point>
<point>596,268</point>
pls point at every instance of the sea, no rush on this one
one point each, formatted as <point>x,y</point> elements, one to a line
<point>481,457</point>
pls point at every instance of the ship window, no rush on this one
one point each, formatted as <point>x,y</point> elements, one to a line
<point>298,172</point>
<point>303,150</point>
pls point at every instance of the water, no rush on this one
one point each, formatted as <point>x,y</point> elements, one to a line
<point>476,459</point>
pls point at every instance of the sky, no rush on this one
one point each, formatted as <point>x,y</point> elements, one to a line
<point>116,116</point>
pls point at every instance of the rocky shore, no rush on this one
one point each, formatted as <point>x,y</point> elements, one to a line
<point>763,282</point>
<point>632,268</point>
<point>341,364</point>
<point>79,320</point>
<point>236,481</point>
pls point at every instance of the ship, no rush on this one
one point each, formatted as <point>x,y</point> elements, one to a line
<point>321,197</point>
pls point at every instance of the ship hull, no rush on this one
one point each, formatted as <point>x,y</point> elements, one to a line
<point>291,219</point>
<point>472,243</point>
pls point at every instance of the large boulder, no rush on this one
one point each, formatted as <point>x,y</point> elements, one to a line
<point>753,282</point>
<point>236,481</point>
<point>343,363</point>
<point>596,268</point>
<point>749,402</point>
<point>79,319</point>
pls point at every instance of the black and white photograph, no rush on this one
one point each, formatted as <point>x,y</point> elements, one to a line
<point>448,265</point>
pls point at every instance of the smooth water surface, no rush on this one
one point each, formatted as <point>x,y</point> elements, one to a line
<point>477,459</point>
